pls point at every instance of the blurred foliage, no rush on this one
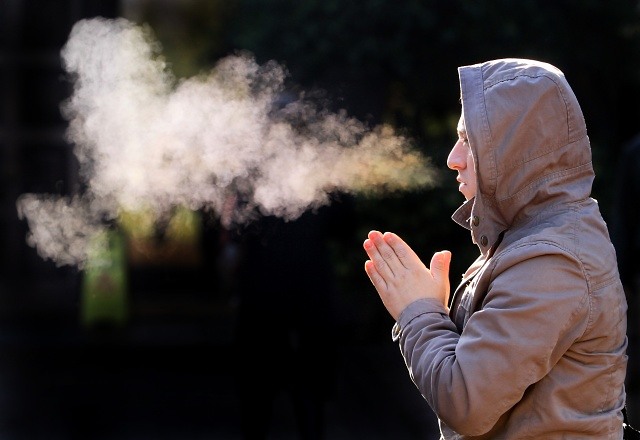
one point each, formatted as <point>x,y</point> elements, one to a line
<point>104,292</point>
<point>192,32</point>
<point>179,225</point>
<point>395,62</point>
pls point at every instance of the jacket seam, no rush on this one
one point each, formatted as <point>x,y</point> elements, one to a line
<point>587,295</point>
<point>543,153</point>
<point>559,89</point>
<point>544,179</point>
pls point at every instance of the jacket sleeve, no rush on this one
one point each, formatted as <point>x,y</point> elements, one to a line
<point>534,309</point>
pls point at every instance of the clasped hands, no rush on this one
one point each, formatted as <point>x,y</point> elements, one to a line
<point>400,277</point>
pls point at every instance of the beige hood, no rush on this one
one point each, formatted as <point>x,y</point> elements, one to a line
<point>529,140</point>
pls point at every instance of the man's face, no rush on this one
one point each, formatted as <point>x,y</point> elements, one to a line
<point>461,160</point>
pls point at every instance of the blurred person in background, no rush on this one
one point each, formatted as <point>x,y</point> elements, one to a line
<point>532,343</point>
<point>625,235</point>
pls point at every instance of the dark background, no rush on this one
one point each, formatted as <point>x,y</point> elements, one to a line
<point>168,370</point>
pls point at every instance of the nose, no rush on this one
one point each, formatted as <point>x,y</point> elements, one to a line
<point>457,159</point>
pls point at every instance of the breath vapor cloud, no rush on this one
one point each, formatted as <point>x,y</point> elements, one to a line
<point>146,140</point>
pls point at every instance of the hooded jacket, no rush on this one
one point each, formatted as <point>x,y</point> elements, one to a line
<point>534,344</point>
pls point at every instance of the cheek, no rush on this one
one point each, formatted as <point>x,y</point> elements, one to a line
<point>471,168</point>
<point>471,164</point>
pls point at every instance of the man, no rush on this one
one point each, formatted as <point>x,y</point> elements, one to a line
<point>533,345</point>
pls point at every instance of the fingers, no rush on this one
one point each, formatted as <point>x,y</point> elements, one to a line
<point>399,275</point>
<point>382,255</point>
<point>377,281</point>
<point>406,256</point>
<point>394,252</point>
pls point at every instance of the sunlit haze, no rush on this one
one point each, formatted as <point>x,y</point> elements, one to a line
<point>145,140</point>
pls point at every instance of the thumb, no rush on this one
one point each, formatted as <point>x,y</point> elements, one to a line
<point>439,266</point>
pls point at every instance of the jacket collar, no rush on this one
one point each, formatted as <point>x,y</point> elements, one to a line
<point>462,215</point>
